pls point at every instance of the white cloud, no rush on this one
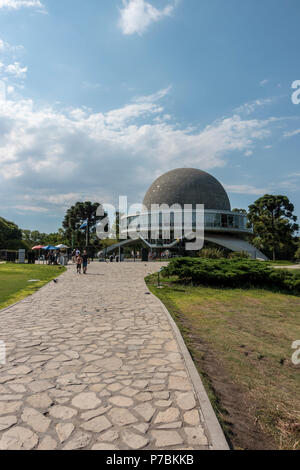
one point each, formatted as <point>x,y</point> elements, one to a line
<point>60,156</point>
<point>245,189</point>
<point>264,82</point>
<point>251,106</point>
<point>292,133</point>
<point>138,15</point>
<point>16,70</point>
<point>17,4</point>
<point>6,47</point>
<point>31,209</point>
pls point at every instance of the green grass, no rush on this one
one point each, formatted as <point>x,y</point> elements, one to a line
<point>249,334</point>
<point>14,285</point>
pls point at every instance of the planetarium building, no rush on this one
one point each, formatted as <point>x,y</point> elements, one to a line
<point>184,191</point>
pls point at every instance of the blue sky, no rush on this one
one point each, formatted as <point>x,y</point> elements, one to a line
<point>100,97</point>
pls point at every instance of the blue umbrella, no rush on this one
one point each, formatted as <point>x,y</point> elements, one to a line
<point>49,248</point>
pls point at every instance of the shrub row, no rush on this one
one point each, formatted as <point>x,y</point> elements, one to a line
<point>233,273</point>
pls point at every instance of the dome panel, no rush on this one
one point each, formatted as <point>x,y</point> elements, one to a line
<point>188,186</point>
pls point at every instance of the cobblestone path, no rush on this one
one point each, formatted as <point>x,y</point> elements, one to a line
<point>93,363</point>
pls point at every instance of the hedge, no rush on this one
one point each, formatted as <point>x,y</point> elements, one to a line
<point>233,273</point>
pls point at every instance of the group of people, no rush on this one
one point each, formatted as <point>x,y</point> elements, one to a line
<point>81,261</point>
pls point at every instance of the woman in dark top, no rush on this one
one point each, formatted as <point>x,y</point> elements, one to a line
<point>85,260</point>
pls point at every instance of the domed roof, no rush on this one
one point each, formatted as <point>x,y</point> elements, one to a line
<point>188,186</point>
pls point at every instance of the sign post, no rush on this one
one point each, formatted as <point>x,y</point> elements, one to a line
<point>21,259</point>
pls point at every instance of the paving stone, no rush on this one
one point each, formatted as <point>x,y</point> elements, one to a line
<point>7,422</point>
<point>146,411</point>
<point>35,419</point>
<point>40,386</point>
<point>176,425</point>
<point>97,425</point>
<point>64,431</point>
<point>21,370</point>
<point>112,363</point>
<point>48,443</point>
<point>18,388</point>
<point>9,407</point>
<point>121,417</point>
<point>130,392</point>
<point>163,403</point>
<point>142,427</point>
<point>10,397</point>
<point>169,416</point>
<point>133,440</point>
<point>62,412</point>
<point>192,418</point>
<point>93,414</point>
<point>162,395</point>
<point>167,438</point>
<point>18,438</point>
<point>40,400</point>
<point>79,441</point>
<point>115,387</point>
<point>97,387</point>
<point>86,401</point>
<point>104,446</point>
<point>186,401</point>
<point>144,396</point>
<point>195,436</point>
<point>109,436</point>
<point>176,383</point>
<point>123,402</point>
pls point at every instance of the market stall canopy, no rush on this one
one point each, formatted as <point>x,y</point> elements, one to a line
<point>62,247</point>
<point>49,248</point>
<point>39,247</point>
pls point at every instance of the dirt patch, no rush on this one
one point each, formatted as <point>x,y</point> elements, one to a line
<point>232,403</point>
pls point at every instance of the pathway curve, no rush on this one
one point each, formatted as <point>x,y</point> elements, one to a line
<point>93,363</point>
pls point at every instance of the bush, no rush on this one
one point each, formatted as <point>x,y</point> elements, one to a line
<point>239,254</point>
<point>212,253</point>
<point>233,273</point>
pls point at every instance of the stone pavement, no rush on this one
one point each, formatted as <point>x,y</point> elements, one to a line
<point>93,363</point>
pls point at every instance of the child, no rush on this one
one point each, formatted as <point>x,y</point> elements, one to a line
<point>78,264</point>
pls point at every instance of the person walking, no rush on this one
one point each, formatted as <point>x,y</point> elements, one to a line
<point>78,264</point>
<point>85,260</point>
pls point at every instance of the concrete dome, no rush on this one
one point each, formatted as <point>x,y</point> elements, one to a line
<point>188,186</point>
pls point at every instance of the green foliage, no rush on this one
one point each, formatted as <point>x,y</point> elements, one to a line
<point>10,236</point>
<point>34,238</point>
<point>212,253</point>
<point>239,255</point>
<point>274,223</point>
<point>73,220</point>
<point>236,273</point>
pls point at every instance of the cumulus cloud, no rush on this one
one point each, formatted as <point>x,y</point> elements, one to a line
<point>16,70</point>
<point>18,4</point>
<point>138,15</point>
<point>56,157</point>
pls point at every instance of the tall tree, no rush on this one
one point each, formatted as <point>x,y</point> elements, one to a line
<point>78,214</point>
<point>273,221</point>
<point>10,236</point>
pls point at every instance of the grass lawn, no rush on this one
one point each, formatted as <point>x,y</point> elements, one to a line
<point>241,341</point>
<point>14,285</point>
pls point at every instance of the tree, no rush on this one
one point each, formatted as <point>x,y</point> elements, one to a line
<point>75,217</point>
<point>10,236</point>
<point>273,221</point>
<point>240,211</point>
